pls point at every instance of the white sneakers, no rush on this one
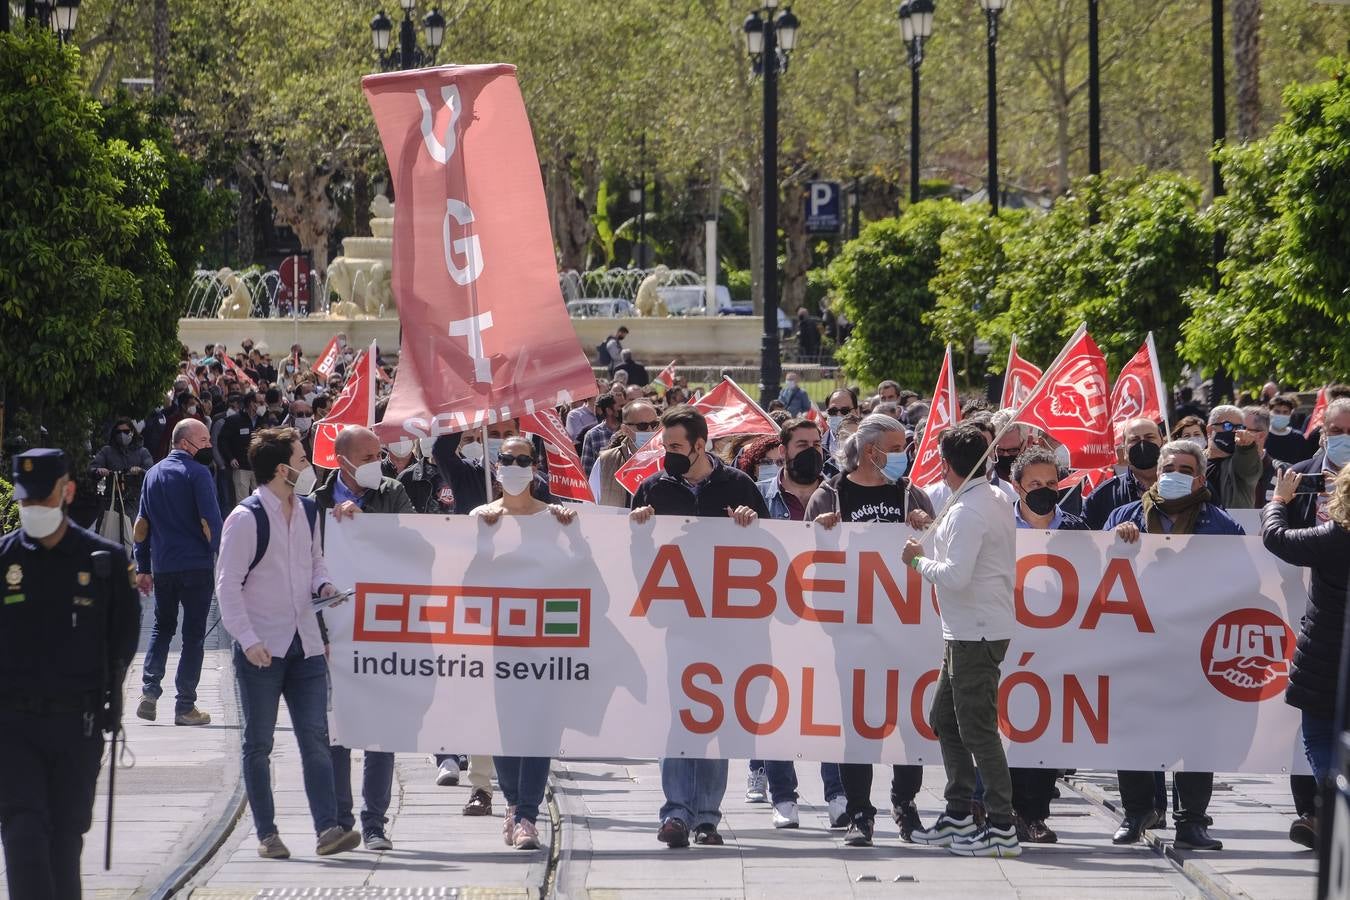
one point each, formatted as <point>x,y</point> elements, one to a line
<point>757,787</point>
<point>991,840</point>
<point>447,774</point>
<point>838,807</point>
<point>785,814</point>
<point>945,831</point>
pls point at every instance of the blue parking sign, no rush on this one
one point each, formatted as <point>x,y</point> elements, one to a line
<point>822,207</point>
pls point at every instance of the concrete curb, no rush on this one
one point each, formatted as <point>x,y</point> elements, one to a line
<point>226,810</point>
<point>568,879</point>
<point>1198,873</point>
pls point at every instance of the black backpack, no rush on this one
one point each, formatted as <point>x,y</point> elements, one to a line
<point>254,505</point>
<point>602,353</point>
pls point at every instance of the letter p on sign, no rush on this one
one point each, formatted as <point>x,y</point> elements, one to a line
<point>822,207</point>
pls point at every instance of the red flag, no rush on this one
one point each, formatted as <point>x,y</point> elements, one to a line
<point>815,417</point>
<point>667,375</point>
<point>1319,413</point>
<point>728,409</point>
<point>354,406</point>
<point>1018,378</point>
<point>565,477</point>
<point>1093,477</point>
<point>486,336</point>
<point>328,359</point>
<point>945,412</point>
<point>1072,405</point>
<point>239,373</point>
<point>1138,393</point>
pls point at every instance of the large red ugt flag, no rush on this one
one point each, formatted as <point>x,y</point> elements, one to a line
<point>1072,405</point>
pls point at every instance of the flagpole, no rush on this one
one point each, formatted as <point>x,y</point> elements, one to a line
<point>1158,383</point>
<point>1006,428</point>
<point>1007,370</point>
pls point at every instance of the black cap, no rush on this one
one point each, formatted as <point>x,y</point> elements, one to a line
<point>36,473</point>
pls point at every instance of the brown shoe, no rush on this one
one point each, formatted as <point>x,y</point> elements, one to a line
<point>146,708</point>
<point>337,840</point>
<point>1038,833</point>
<point>193,716</point>
<point>480,804</point>
<point>271,847</point>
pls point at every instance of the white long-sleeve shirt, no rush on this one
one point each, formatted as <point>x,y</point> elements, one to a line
<point>973,563</point>
<point>275,603</point>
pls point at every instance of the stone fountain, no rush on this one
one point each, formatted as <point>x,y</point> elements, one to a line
<point>361,275</point>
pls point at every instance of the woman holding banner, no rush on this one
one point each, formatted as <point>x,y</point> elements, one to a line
<point>522,778</point>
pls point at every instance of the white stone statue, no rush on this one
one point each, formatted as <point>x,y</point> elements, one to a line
<point>649,302</point>
<point>237,302</point>
<point>361,276</point>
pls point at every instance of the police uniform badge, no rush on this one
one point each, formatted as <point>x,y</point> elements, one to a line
<point>14,575</point>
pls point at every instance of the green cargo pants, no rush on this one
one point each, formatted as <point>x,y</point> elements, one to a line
<point>965,717</point>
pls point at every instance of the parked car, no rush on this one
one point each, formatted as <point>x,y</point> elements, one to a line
<point>602,308</point>
<point>688,300</point>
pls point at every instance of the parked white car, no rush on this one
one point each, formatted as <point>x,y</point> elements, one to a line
<point>602,308</point>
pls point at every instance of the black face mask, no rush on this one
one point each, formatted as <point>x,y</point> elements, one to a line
<point>1042,500</point>
<point>1144,455</point>
<point>1225,441</point>
<point>204,456</point>
<point>677,465</point>
<point>1003,465</point>
<point>804,468</point>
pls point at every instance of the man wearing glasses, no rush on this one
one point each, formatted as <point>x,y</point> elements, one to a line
<point>1234,466</point>
<point>841,404</point>
<point>638,425</point>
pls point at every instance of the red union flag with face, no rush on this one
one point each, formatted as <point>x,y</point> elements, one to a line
<point>486,336</point>
<point>1019,378</point>
<point>946,412</point>
<point>728,409</point>
<point>354,406</point>
<point>1071,403</point>
<point>1138,393</point>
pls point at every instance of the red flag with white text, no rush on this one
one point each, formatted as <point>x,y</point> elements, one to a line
<point>944,413</point>
<point>1072,405</point>
<point>486,337</point>
<point>1319,413</point>
<point>354,406</point>
<point>728,409</point>
<point>565,477</point>
<point>1018,378</point>
<point>1138,393</point>
<point>328,359</point>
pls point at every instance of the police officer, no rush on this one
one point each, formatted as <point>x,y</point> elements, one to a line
<point>69,620</point>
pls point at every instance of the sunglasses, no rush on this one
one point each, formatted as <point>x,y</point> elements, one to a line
<point>839,410</point>
<point>1229,426</point>
<point>523,460</point>
<point>644,426</point>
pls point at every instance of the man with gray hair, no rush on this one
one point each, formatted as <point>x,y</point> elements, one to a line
<point>1234,465</point>
<point>1309,506</point>
<point>1179,503</point>
<point>1257,421</point>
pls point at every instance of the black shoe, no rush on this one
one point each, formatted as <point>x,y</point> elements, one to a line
<point>1039,833</point>
<point>674,833</point>
<point>859,833</point>
<point>708,836</point>
<point>906,815</point>
<point>1132,828</point>
<point>1195,836</point>
<point>1304,832</point>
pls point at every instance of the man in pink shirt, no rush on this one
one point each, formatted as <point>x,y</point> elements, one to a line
<point>270,567</point>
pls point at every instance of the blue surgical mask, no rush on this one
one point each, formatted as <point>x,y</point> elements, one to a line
<point>1279,422</point>
<point>1175,485</point>
<point>897,464</point>
<point>834,422</point>
<point>767,471</point>
<point>641,438</point>
<point>1338,449</point>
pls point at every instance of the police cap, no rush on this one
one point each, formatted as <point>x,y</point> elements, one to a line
<point>36,473</point>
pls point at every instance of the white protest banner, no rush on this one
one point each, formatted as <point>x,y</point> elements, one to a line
<point>786,641</point>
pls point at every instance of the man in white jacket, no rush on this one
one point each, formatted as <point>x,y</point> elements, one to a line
<point>973,563</point>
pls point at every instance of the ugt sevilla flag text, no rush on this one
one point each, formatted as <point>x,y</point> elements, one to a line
<point>945,413</point>
<point>565,477</point>
<point>1018,378</point>
<point>728,409</point>
<point>354,406</point>
<point>486,336</point>
<point>1071,403</point>
<point>1138,392</point>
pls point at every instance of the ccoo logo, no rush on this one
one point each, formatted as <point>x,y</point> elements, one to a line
<point>1246,653</point>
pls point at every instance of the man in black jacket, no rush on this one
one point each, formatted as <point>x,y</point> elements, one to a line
<point>1309,506</point>
<point>693,482</point>
<point>1143,440</point>
<point>235,435</point>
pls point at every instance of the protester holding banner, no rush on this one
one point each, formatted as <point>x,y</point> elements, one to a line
<point>1179,503</point>
<point>466,478</point>
<point>973,563</point>
<point>265,604</point>
<point>426,489</point>
<point>358,487</point>
<point>694,482</point>
<point>523,779</point>
<point>873,488</point>
<point>640,422</point>
<point>1142,441</point>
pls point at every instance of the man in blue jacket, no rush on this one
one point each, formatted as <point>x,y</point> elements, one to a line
<point>1179,503</point>
<point>177,537</point>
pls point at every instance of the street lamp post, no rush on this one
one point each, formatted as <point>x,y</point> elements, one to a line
<point>58,15</point>
<point>408,55</point>
<point>992,10</point>
<point>770,38</point>
<point>1094,93</point>
<point>916,26</point>
<point>638,195</point>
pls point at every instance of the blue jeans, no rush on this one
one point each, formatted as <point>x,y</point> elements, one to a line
<point>377,784</point>
<point>694,789</point>
<point>523,780</point>
<point>782,777</point>
<point>192,590</point>
<point>1319,742</point>
<point>303,681</point>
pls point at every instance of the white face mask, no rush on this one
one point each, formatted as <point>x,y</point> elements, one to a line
<point>834,422</point>
<point>304,482</point>
<point>514,479</point>
<point>473,452</point>
<point>41,521</point>
<point>302,423</point>
<point>427,443</point>
<point>367,476</point>
<point>401,448</point>
<point>494,447</point>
